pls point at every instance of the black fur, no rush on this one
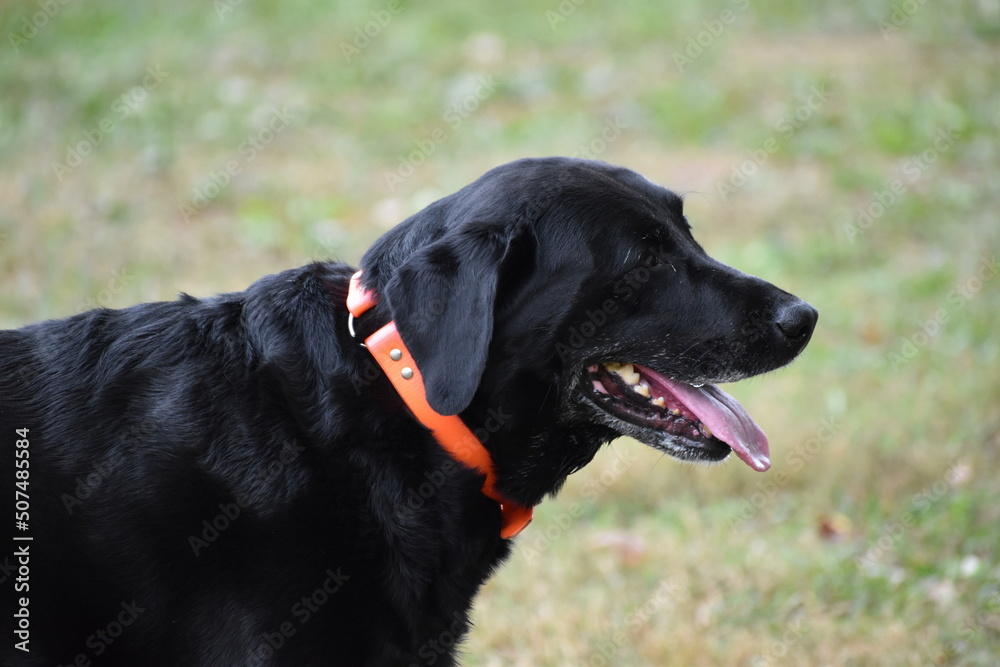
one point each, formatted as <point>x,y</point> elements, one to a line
<point>199,467</point>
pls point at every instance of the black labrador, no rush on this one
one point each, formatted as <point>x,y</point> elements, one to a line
<point>235,481</point>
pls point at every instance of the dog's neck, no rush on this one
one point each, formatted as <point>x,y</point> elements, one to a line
<point>387,348</point>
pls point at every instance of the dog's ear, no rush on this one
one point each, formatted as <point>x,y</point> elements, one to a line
<point>442,299</point>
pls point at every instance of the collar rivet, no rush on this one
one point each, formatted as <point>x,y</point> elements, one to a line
<point>395,354</point>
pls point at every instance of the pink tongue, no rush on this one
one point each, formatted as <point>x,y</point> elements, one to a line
<point>726,418</point>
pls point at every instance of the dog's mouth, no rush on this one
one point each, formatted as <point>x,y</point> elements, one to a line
<point>686,421</point>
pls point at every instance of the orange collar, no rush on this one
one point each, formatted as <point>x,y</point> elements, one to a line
<point>450,431</point>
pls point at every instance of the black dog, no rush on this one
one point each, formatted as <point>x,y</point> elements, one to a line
<point>234,481</point>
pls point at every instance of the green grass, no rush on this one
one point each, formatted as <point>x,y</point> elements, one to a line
<point>873,539</point>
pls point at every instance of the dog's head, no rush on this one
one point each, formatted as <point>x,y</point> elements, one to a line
<point>564,302</point>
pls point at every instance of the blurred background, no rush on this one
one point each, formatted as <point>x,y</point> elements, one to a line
<point>846,151</point>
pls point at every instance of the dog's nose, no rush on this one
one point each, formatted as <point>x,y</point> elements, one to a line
<point>796,321</point>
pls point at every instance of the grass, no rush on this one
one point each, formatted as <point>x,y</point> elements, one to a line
<point>872,541</point>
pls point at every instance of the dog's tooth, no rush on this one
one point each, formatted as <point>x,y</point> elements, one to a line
<point>659,402</point>
<point>612,366</point>
<point>642,389</point>
<point>629,375</point>
<point>675,412</point>
<point>705,430</point>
